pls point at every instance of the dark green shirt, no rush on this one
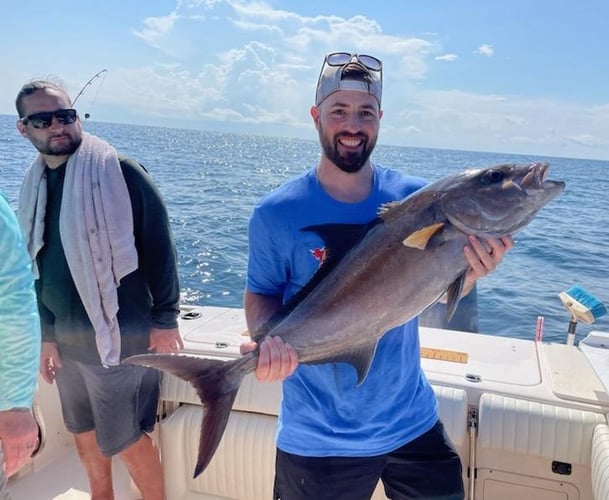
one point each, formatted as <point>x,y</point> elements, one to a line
<point>147,297</point>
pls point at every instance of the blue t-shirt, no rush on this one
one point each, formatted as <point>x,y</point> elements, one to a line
<point>324,412</point>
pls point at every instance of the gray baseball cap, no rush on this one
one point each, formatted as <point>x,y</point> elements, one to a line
<point>345,71</point>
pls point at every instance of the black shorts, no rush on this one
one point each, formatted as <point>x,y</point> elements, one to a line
<point>119,402</point>
<point>427,467</point>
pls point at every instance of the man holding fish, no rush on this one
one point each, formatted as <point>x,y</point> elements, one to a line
<point>337,434</point>
<point>342,260</point>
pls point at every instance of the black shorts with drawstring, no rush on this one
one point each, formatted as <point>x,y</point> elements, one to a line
<point>426,468</point>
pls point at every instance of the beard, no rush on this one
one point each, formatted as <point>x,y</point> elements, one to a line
<point>352,161</point>
<point>64,148</point>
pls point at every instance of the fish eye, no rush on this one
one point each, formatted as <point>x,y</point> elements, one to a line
<point>492,177</point>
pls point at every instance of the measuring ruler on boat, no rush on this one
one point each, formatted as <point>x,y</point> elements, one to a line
<point>444,355</point>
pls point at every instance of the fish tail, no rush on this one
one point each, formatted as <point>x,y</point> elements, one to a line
<point>217,387</point>
<point>216,382</point>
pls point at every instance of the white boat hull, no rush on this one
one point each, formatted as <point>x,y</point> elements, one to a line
<point>527,418</point>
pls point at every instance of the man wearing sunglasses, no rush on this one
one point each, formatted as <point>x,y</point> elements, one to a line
<point>105,265</point>
<point>336,439</point>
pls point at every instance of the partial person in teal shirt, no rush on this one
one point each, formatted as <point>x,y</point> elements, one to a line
<point>19,349</point>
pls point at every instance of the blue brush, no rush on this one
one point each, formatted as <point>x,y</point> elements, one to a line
<point>582,306</point>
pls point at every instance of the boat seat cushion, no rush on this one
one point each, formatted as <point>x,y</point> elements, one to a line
<point>600,462</point>
<point>452,409</point>
<point>244,464</point>
<point>534,429</point>
<point>242,467</point>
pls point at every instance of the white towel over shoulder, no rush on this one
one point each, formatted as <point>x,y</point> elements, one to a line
<point>96,229</point>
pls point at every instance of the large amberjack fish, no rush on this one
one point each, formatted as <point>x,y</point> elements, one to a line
<point>399,264</point>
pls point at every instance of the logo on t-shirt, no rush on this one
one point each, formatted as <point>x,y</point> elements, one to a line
<point>320,254</point>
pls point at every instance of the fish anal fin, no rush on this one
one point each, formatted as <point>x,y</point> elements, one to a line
<point>420,238</point>
<point>453,296</point>
<point>360,359</point>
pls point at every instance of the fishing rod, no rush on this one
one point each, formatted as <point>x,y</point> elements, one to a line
<point>84,87</point>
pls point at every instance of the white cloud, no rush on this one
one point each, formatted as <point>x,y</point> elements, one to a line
<point>447,57</point>
<point>462,120</point>
<point>587,140</point>
<point>247,66</point>
<point>156,28</point>
<point>485,50</point>
<point>266,75</point>
<point>265,70</point>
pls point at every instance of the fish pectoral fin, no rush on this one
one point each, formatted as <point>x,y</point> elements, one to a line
<point>453,296</point>
<point>420,238</point>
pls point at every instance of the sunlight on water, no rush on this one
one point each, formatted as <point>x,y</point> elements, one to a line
<point>211,181</point>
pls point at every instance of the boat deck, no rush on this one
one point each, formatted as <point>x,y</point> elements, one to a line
<point>65,479</point>
<point>498,374</point>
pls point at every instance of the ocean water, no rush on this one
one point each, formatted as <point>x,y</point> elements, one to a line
<point>211,181</point>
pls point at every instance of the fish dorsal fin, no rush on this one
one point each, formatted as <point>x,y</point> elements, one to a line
<point>453,296</point>
<point>360,359</point>
<point>420,238</point>
<point>386,209</point>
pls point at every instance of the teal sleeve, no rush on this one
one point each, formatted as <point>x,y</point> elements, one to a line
<point>19,320</point>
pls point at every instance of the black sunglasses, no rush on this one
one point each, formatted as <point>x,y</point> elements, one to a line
<point>342,58</point>
<point>44,119</point>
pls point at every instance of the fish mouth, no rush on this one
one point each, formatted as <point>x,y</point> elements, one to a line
<point>534,178</point>
<point>535,182</point>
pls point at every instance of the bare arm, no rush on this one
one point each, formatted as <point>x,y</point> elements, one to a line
<point>259,309</point>
<point>276,360</point>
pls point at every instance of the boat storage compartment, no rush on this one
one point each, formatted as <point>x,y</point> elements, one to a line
<point>502,362</point>
<point>574,374</point>
<point>520,444</point>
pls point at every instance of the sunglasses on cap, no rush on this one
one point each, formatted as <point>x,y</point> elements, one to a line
<point>342,58</point>
<point>44,119</point>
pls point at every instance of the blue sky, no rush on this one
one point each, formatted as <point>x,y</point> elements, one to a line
<point>520,76</point>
